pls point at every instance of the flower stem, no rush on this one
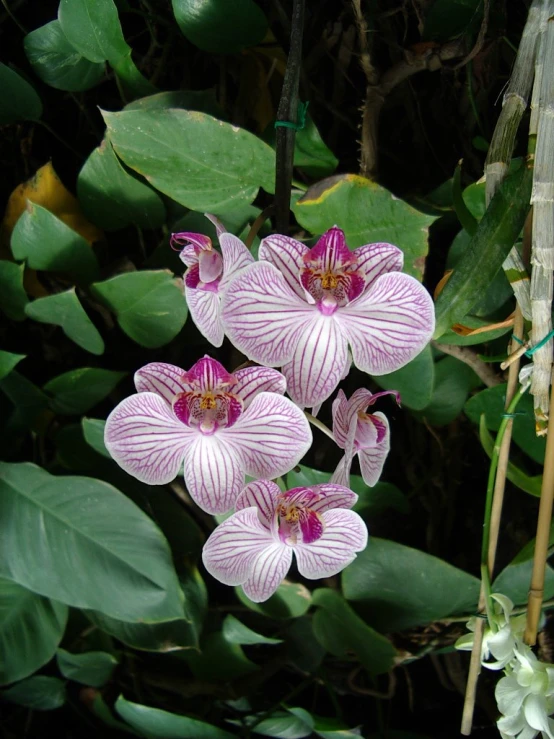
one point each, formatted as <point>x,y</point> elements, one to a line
<point>319,425</point>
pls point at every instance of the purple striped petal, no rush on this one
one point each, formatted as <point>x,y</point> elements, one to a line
<point>269,571</point>
<point>334,496</point>
<point>235,257</point>
<point>374,260</point>
<point>219,227</point>
<point>345,534</point>
<point>254,380</point>
<point>145,438</point>
<point>318,361</point>
<point>341,476</point>
<point>214,475</point>
<point>208,374</point>
<point>389,324</point>
<point>287,255</point>
<point>261,494</point>
<point>272,436</point>
<point>262,316</point>
<point>188,254</point>
<point>231,550</point>
<point>204,310</point>
<point>341,419</point>
<point>210,265</point>
<point>373,458</point>
<point>165,380</point>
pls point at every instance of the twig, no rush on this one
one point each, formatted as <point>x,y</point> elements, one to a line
<point>258,223</point>
<point>319,425</point>
<point>484,371</point>
<point>480,37</point>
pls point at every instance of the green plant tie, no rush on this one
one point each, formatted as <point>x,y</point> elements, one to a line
<point>538,345</point>
<point>301,122</point>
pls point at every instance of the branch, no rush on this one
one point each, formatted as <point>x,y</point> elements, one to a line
<point>483,370</point>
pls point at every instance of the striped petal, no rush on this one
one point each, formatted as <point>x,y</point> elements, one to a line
<point>345,534</point>
<point>231,550</point>
<point>235,257</point>
<point>254,380</point>
<point>288,256</point>
<point>341,476</point>
<point>389,324</point>
<point>374,260</point>
<point>262,316</point>
<point>165,380</point>
<point>373,458</point>
<point>214,475</point>
<point>269,571</point>
<point>333,496</point>
<point>272,436</point>
<point>204,310</point>
<point>318,362</point>
<point>262,494</point>
<point>145,438</point>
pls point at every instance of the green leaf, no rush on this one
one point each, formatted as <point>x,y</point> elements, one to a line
<point>88,668</point>
<point>291,600</point>
<point>165,636</point>
<point>491,402</point>
<point>112,198</point>
<point>202,163</point>
<point>14,297</point>
<point>153,723</point>
<point>39,693</point>
<point>96,548</point>
<point>57,63</point>
<point>220,26</point>
<point>236,632</point>
<point>19,101</point>
<point>28,401</point>
<point>465,216</point>
<point>367,213</point>
<point>514,581</point>
<point>31,627</point>
<point>101,709</point>
<point>92,27</point>
<point>304,651</point>
<point>204,101</point>
<point>8,361</point>
<point>489,246</point>
<point>49,244</point>
<point>219,661</point>
<point>295,723</point>
<point>311,154</point>
<point>398,587</point>
<point>77,391</point>
<point>453,382</point>
<point>149,306</point>
<point>414,382</point>
<point>473,322</point>
<point>340,630</point>
<point>93,431</point>
<point>65,310</point>
<point>133,83</point>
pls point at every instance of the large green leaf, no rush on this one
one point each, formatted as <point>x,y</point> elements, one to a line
<point>367,213</point>
<point>95,547</point>
<point>57,62</point>
<point>149,306</point>
<point>154,723</point>
<point>31,627</point>
<point>65,310</point>
<point>39,693</point>
<point>77,391</point>
<point>93,431</point>
<point>340,631</point>
<point>8,361</point>
<point>112,198</point>
<point>49,244</point>
<point>290,600</point>
<point>294,723</point>
<point>236,632</point>
<point>29,402</point>
<point>204,101</point>
<point>219,660</point>
<point>398,587</point>
<point>453,382</point>
<point>414,382</point>
<point>92,27</point>
<point>220,26</point>
<point>14,297</point>
<point>165,636</point>
<point>18,100</point>
<point>202,163</point>
<point>88,668</point>
<point>514,581</point>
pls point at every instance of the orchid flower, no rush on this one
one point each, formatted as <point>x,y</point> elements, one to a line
<point>208,273</point>
<point>222,425</point>
<point>360,433</point>
<point>253,547</point>
<point>300,308</point>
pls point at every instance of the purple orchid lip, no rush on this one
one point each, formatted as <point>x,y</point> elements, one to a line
<point>253,547</point>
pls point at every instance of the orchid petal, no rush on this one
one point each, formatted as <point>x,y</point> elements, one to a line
<point>235,257</point>
<point>515,725</point>
<point>145,438</point>
<point>272,436</point>
<point>192,276</point>
<point>331,249</point>
<point>389,324</point>
<point>341,476</point>
<point>210,265</point>
<point>268,572</point>
<point>341,419</point>
<point>333,496</point>
<point>213,473</point>
<point>372,459</point>
<point>254,380</point>
<point>188,254</point>
<point>509,695</point>
<point>374,260</point>
<point>263,495</point>
<point>165,380</point>
<point>318,361</point>
<point>219,227</point>
<point>262,316</point>
<point>204,310</point>
<point>534,710</point>
<point>208,374</point>
<point>231,550</point>
<point>345,534</point>
<point>288,256</point>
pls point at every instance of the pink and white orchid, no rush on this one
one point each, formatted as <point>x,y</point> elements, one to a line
<point>222,425</point>
<point>253,547</point>
<point>360,433</point>
<point>208,273</point>
<point>300,308</point>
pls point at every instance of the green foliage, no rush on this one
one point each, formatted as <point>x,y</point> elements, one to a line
<point>92,27</point>
<point>89,668</point>
<point>291,600</point>
<point>8,361</point>
<point>93,431</point>
<point>165,636</point>
<point>19,101</point>
<point>39,693</point>
<point>77,391</point>
<point>414,382</point>
<point>449,18</point>
<point>453,382</point>
<point>14,297</point>
<point>236,632</point>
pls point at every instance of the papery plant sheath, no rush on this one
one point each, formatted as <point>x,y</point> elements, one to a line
<point>222,425</point>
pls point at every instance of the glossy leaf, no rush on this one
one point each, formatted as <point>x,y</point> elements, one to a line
<point>236,632</point>
<point>164,636</point>
<point>93,430</point>
<point>204,101</point>
<point>149,306</point>
<point>39,693</point>
<point>57,62</point>
<point>368,213</point>
<point>92,27</point>
<point>219,661</point>
<point>295,723</point>
<point>202,163</point>
<point>453,382</point>
<point>65,310</point>
<point>14,297</point>
<point>414,382</point>
<point>19,101</point>
<point>31,627</point>
<point>77,391</point>
<point>290,601</point>
<point>514,581</point>
<point>29,402</point>
<point>88,668</point>
<point>8,361</point>
<point>96,548</point>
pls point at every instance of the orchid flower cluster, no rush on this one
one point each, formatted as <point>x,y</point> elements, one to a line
<point>299,309</point>
<point>525,694</point>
